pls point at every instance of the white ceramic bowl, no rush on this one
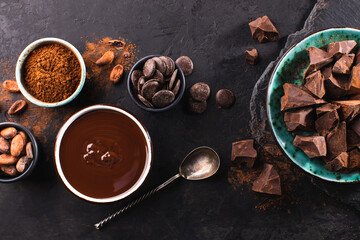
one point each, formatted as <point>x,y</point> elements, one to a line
<point>144,173</point>
<point>23,56</point>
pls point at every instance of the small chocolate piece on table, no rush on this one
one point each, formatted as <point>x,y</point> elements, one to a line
<point>343,65</point>
<point>296,96</point>
<point>313,146</point>
<point>300,120</point>
<point>336,141</point>
<point>200,91</point>
<point>327,122</point>
<point>268,181</point>
<point>186,65</point>
<point>251,56</point>
<point>196,106</point>
<point>315,84</point>
<point>338,163</point>
<point>263,30</point>
<point>244,152</point>
<point>225,98</point>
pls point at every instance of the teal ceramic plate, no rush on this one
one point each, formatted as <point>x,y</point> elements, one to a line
<point>290,69</point>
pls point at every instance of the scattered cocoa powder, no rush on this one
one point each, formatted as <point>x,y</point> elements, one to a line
<point>51,73</point>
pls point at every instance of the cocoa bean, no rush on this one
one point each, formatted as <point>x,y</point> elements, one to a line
<point>9,170</point>
<point>107,58</point>
<point>6,159</point>
<point>24,136</point>
<point>117,44</point>
<point>116,73</point>
<point>8,132</point>
<point>17,145</point>
<point>29,151</point>
<point>17,107</point>
<point>4,145</point>
<point>23,164</point>
<point>11,86</point>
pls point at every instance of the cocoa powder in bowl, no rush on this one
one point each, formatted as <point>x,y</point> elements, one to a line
<point>51,73</point>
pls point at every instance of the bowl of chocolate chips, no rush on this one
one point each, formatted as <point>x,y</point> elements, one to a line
<point>157,83</point>
<point>313,104</point>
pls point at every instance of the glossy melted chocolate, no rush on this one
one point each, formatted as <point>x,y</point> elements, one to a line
<point>103,153</point>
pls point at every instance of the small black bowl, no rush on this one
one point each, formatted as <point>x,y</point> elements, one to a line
<point>138,66</point>
<point>35,148</point>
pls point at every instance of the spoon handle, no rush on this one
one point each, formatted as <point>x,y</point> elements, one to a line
<point>146,195</point>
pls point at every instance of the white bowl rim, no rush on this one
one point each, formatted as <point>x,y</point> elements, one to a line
<point>143,175</point>
<point>24,55</point>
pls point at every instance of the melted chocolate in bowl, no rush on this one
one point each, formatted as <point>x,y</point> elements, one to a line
<point>103,153</point>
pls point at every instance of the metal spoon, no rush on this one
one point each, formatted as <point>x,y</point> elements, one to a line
<point>200,163</point>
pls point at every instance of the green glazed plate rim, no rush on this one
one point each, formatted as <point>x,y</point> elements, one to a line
<point>324,173</point>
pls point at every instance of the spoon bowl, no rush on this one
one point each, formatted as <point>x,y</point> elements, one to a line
<point>200,163</point>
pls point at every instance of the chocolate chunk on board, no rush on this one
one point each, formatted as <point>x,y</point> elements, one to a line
<point>327,122</point>
<point>337,49</point>
<point>329,107</point>
<point>296,96</point>
<point>343,65</point>
<point>338,163</point>
<point>263,30</point>
<point>300,120</point>
<point>336,141</point>
<point>268,181</point>
<point>318,59</point>
<point>313,146</point>
<point>315,84</point>
<point>348,109</point>
<point>244,152</point>
<point>251,56</point>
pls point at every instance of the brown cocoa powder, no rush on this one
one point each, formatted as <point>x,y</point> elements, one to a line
<point>51,73</point>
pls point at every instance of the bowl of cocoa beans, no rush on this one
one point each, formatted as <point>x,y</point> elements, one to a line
<point>18,152</point>
<point>156,83</point>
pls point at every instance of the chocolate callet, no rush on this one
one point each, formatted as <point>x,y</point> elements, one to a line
<point>343,65</point>
<point>296,96</point>
<point>338,48</point>
<point>268,181</point>
<point>336,141</point>
<point>315,84</point>
<point>244,152</point>
<point>300,120</point>
<point>327,122</point>
<point>251,56</point>
<point>263,30</point>
<point>338,163</point>
<point>313,146</point>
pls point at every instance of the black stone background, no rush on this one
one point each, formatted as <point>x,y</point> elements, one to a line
<point>214,34</point>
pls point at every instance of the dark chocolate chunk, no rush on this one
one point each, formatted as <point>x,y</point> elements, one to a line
<point>336,85</point>
<point>355,80</point>
<point>186,65</point>
<point>313,146</point>
<point>354,159</point>
<point>225,98</point>
<point>200,91</point>
<point>149,89</point>
<point>244,152</point>
<point>348,109</point>
<point>197,107</point>
<point>263,30</point>
<point>163,98</point>
<point>135,75</point>
<point>296,97</point>
<point>354,97</point>
<point>145,102</point>
<point>337,49</point>
<point>352,139</point>
<point>268,181</point>
<point>149,68</point>
<point>343,65</point>
<point>300,120</point>
<point>338,163</point>
<point>336,141</point>
<point>329,107</point>
<point>355,125</point>
<point>160,65</point>
<point>318,59</point>
<point>177,87</point>
<point>315,84</point>
<point>327,122</point>
<point>251,56</point>
<point>172,79</point>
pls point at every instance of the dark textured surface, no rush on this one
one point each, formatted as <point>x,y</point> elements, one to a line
<point>214,34</point>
